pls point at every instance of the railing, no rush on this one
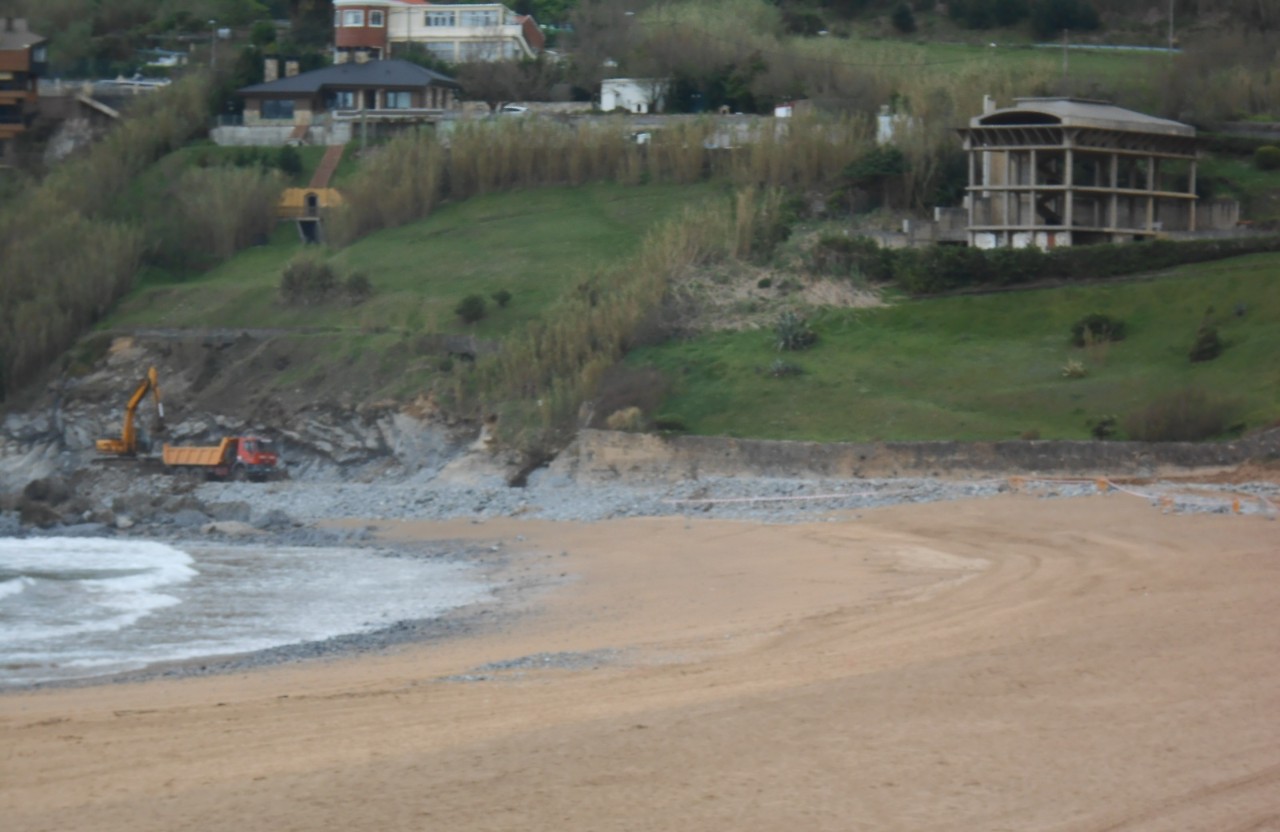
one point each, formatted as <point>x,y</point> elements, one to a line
<point>408,112</point>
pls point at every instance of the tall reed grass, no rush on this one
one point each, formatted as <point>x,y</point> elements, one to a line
<point>66,257</point>
<point>539,382</point>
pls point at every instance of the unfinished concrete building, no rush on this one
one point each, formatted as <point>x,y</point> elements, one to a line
<point>1068,171</point>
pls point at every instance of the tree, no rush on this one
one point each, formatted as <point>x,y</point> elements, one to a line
<point>500,82</point>
<point>903,20</point>
<point>1049,17</point>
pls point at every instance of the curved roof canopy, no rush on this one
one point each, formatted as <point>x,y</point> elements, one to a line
<point>1079,112</point>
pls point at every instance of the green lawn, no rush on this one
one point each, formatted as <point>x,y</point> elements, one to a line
<point>987,366</point>
<point>534,244</point>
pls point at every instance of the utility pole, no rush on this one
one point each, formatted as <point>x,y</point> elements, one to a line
<point>213,46</point>
<point>1170,27</point>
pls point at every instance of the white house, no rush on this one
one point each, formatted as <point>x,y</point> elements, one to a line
<point>453,32</point>
<point>635,95</point>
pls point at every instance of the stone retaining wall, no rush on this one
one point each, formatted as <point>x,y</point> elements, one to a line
<point>608,454</point>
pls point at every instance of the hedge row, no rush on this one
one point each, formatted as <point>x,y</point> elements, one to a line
<point>947,268</point>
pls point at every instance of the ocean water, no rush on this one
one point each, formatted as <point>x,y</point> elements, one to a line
<point>72,608</point>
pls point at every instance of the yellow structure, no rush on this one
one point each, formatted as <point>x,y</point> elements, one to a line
<point>300,203</point>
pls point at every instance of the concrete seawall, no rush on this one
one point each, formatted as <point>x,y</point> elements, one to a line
<point>608,454</point>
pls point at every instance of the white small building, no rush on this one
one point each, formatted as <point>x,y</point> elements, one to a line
<point>635,95</point>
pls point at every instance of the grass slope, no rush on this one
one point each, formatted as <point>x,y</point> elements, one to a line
<point>536,244</point>
<point>987,366</point>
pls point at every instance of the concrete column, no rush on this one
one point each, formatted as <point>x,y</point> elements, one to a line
<point>1151,187</point>
<point>1031,196</point>
<point>1193,201</point>
<point>1068,180</point>
<point>972,196</point>
<point>1114,211</point>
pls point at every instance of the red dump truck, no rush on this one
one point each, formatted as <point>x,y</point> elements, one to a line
<point>235,458</point>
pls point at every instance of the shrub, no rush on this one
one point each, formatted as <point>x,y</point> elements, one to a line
<point>903,20</point>
<point>1074,369</point>
<point>357,288</point>
<point>1103,427</point>
<point>764,283</point>
<point>1096,328</point>
<point>622,387</point>
<point>1267,157</point>
<point>288,160</point>
<point>307,279</point>
<point>792,332</point>
<point>1186,415</point>
<point>781,368</point>
<point>628,419</point>
<point>470,309</point>
<point>851,257</point>
<point>669,424</point>
<point>501,297</point>
<point>1207,346</point>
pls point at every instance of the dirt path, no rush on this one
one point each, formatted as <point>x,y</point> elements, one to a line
<point>1007,664</point>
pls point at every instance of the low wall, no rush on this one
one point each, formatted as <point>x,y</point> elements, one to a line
<point>273,136</point>
<point>608,454</point>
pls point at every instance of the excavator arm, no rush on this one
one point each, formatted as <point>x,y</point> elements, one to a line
<point>127,444</point>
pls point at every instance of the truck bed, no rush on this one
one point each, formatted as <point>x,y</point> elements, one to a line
<point>206,456</point>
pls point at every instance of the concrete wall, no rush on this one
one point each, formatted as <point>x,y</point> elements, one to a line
<point>265,136</point>
<point>608,454</point>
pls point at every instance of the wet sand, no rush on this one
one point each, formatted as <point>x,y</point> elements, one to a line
<point>1001,664</point>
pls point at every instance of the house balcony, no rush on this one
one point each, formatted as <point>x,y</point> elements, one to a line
<point>398,114</point>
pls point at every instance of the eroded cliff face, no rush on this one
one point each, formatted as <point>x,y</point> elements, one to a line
<point>227,384</point>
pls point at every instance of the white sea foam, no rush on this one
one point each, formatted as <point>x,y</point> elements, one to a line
<point>91,607</point>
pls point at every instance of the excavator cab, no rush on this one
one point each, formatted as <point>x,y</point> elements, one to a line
<point>129,442</point>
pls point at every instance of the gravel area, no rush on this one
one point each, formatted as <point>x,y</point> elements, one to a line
<point>773,500</point>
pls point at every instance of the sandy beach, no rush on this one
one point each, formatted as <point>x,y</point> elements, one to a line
<point>998,664</point>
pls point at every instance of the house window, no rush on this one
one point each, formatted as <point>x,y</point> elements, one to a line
<point>39,55</point>
<point>479,18</point>
<point>398,100</point>
<point>342,100</point>
<point>337,19</point>
<point>484,50</point>
<point>375,18</point>
<point>442,19</point>
<point>443,51</point>
<point>353,17</point>
<point>277,109</point>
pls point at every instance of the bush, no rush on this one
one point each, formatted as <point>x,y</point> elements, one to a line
<point>903,20</point>
<point>792,332</point>
<point>1267,158</point>
<point>628,419</point>
<point>307,279</point>
<point>1096,328</point>
<point>1103,427</point>
<point>357,288</point>
<point>851,257</point>
<point>288,160</point>
<point>1207,346</point>
<point>1074,369</point>
<point>622,387</point>
<point>1186,415</point>
<point>669,424</point>
<point>470,309</point>
<point>501,297</point>
<point>781,368</point>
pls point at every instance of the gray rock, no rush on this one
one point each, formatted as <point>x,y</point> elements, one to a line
<point>188,518</point>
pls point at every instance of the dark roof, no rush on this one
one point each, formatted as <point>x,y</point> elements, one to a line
<point>22,39</point>
<point>390,73</point>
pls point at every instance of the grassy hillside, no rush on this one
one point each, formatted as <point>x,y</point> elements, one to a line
<point>535,244</point>
<point>988,366</point>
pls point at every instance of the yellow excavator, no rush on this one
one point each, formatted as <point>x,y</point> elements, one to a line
<point>128,443</point>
